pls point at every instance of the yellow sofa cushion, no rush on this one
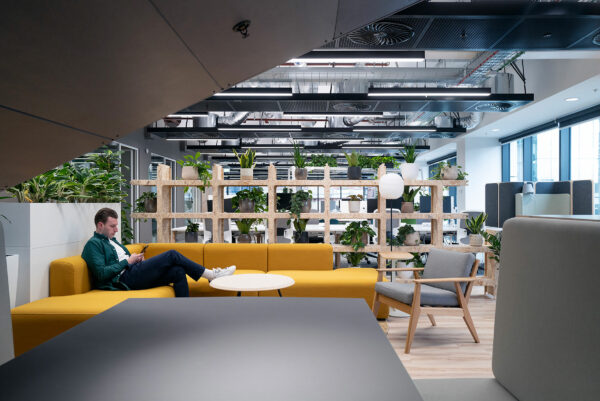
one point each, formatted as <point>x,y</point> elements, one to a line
<point>201,288</point>
<point>193,251</point>
<point>339,283</point>
<point>39,321</point>
<point>244,256</point>
<point>70,276</point>
<point>300,257</point>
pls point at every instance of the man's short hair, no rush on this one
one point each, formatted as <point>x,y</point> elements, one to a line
<point>103,215</point>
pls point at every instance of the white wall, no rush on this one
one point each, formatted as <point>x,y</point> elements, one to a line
<point>481,158</point>
<point>42,232</point>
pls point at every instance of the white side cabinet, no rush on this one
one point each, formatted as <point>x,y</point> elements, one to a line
<point>12,265</point>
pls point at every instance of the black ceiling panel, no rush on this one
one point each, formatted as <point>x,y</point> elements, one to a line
<point>251,105</point>
<point>465,33</point>
<point>549,32</point>
<point>312,106</point>
<point>404,106</point>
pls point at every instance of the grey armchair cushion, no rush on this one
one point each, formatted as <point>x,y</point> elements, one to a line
<point>430,296</point>
<point>444,264</point>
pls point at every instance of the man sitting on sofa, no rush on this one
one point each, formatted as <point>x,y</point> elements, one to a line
<point>114,268</point>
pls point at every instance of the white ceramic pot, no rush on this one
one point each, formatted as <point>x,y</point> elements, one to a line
<point>189,173</point>
<point>406,274</point>
<point>450,173</point>
<point>354,206</point>
<point>412,239</point>
<point>475,239</point>
<point>246,173</point>
<point>410,171</point>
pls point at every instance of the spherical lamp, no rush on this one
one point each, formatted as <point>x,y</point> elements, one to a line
<point>391,186</point>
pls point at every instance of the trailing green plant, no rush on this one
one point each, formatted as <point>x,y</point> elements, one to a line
<point>192,227</point>
<point>139,203</point>
<point>417,259</point>
<point>409,154</point>
<point>300,225</point>
<point>364,161</point>
<point>461,174</point>
<point>410,193</point>
<point>255,194</point>
<point>475,223</point>
<point>354,258</point>
<point>245,225</point>
<point>403,231</point>
<point>495,241</point>
<point>376,161</point>
<point>247,159</point>
<point>352,159</point>
<point>319,160</point>
<point>299,159</point>
<point>355,197</point>
<point>203,168</point>
<point>297,202</point>
<point>353,235</point>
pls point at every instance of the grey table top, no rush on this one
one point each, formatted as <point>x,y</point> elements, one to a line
<point>304,349</point>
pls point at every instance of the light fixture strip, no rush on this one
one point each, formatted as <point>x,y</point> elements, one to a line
<point>394,129</point>
<point>246,94</point>
<point>429,94</point>
<point>260,128</point>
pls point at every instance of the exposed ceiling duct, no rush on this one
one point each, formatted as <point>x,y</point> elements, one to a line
<point>234,118</point>
<point>471,121</point>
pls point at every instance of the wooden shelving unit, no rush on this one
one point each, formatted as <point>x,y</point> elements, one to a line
<point>163,215</point>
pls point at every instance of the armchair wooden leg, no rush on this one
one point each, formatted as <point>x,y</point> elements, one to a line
<point>431,319</point>
<point>376,304</point>
<point>470,325</point>
<point>412,326</point>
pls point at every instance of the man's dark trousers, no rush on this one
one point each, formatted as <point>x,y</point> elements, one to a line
<point>164,269</point>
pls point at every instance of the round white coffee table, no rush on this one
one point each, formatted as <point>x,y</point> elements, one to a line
<point>252,282</point>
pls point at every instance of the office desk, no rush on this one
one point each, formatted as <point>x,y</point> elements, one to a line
<point>182,349</point>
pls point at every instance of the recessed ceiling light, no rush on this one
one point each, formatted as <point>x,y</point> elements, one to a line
<point>571,99</point>
<point>496,130</point>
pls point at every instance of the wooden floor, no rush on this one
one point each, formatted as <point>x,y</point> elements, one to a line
<point>447,350</point>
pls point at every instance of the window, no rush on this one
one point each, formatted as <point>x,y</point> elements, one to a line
<point>585,155</point>
<point>516,160</point>
<point>544,158</point>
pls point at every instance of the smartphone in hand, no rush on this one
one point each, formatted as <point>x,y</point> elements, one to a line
<point>144,248</point>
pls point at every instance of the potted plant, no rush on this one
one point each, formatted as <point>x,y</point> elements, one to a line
<point>191,231</point>
<point>388,161</point>
<point>354,203</point>
<point>252,200</point>
<point>446,171</point>
<point>300,172</point>
<point>408,169</point>
<point>495,241</point>
<point>300,234</point>
<point>354,170</point>
<point>247,163</point>
<point>356,235</point>
<point>300,203</point>
<point>192,168</point>
<point>146,203</point>
<point>244,225</point>
<point>475,226</point>
<point>319,160</point>
<point>408,199</point>
<point>408,236</point>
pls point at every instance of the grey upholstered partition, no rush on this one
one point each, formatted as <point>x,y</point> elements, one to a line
<point>500,197</point>
<point>546,330</point>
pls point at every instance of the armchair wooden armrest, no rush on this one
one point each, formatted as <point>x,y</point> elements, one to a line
<point>445,280</point>
<point>401,269</point>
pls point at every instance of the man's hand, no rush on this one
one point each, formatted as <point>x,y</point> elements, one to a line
<point>135,258</point>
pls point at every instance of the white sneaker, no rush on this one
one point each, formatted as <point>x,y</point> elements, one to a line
<point>220,272</point>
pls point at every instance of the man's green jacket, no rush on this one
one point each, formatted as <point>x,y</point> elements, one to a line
<point>103,262</point>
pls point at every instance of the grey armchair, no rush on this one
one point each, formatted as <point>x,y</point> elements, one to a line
<point>445,288</point>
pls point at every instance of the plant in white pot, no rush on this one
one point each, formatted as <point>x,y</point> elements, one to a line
<point>247,163</point>
<point>409,170</point>
<point>407,236</point>
<point>300,172</point>
<point>475,226</point>
<point>354,203</point>
<point>415,262</point>
<point>192,168</point>
<point>446,171</point>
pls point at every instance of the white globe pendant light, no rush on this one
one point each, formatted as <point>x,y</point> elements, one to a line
<point>391,186</point>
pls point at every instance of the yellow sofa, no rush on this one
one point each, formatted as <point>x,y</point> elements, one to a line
<point>72,299</point>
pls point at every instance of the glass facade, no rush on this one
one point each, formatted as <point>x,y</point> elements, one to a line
<point>544,158</point>
<point>585,155</point>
